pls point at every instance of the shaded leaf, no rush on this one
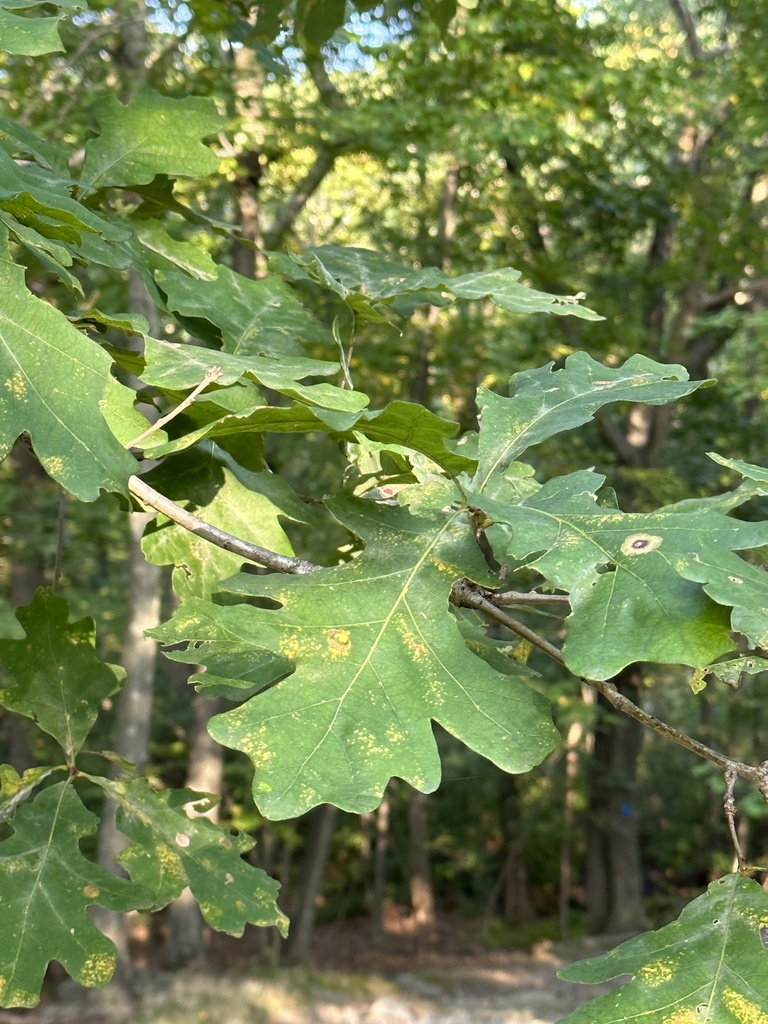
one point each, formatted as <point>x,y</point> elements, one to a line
<point>708,967</point>
<point>182,367</point>
<point>544,402</point>
<point>18,140</point>
<point>227,639</point>
<point>15,788</point>
<point>254,318</point>
<point>42,216</point>
<point>399,424</point>
<point>370,282</point>
<point>758,474</point>
<point>377,656</point>
<point>32,37</point>
<point>731,671</point>
<point>151,135</point>
<point>168,252</point>
<point>46,885</point>
<point>60,683</point>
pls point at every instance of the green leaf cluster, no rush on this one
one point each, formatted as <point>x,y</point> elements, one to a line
<point>338,670</point>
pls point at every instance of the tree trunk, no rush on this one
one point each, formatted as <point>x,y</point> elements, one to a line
<point>380,870</point>
<point>438,253</point>
<point>573,743</point>
<point>516,901</point>
<point>420,886</point>
<point>614,872</point>
<point>318,847</point>
<point>186,943</point>
<point>133,714</point>
<point>247,255</point>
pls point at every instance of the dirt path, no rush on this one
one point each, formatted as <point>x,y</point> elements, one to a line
<point>492,988</point>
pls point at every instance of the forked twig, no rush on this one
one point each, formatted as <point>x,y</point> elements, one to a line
<point>211,375</point>
<point>469,595</point>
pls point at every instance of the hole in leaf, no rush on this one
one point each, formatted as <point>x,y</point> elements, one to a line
<point>764,936</point>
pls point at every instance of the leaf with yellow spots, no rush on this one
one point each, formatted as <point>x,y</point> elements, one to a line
<point>46,884</point>
<point>708,967</point>
<point>378,656</point>
<point>170,850</point>
<point>54,383</point>
<point>643,586</point>
<point>60,683</point>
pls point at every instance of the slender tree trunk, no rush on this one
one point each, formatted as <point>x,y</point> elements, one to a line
<point>438,253</point>
<point>381,848</point>
<point>247,255</point>
<point>204,775</point>
<point>516,900</point>
<point>133,714</point>
<point>420,886</point>
<point>614,873</point>
<point>573,742</point>
<point>318,847</point>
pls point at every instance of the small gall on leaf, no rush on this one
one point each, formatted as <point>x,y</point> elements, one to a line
<point>640,544</point>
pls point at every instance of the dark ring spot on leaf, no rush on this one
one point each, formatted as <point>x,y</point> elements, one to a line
<point>640,544</point>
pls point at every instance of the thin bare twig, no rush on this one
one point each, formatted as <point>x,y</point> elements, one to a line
<point>506,597</point>
<point>756,774</point>
<point>465,594</point>
<point>211,375</point>
<point>729,806</point>
<point>270,559</point>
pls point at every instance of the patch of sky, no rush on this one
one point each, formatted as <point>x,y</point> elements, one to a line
<point>170,15</point>
<point>353,48</point>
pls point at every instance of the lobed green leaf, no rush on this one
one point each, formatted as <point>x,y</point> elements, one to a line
<point>378,655</point>
<point>633,578</point>
<point>544,402</point>
<point>46,886</point>
<point>32,37</point>
<point>60,682</point>
<point>150,135</point>
<point>708,967</point>
<point>53,382</point>
<point>170,850</point>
